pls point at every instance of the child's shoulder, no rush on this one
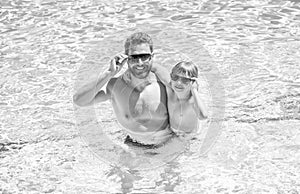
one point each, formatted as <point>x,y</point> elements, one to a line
<point>191,100</point>
<point>170,91</point>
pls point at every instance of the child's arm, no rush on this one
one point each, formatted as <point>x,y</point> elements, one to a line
<point>162,73</point>
<point>198,106</point>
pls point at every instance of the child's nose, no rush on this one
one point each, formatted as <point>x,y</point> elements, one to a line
<point>179,80</point>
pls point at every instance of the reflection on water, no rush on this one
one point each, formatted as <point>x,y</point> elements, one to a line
<point>254,45</point>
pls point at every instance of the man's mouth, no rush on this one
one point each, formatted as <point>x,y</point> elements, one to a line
<point>140,68</point>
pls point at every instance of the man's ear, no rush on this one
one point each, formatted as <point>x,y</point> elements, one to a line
<point>152,57</point>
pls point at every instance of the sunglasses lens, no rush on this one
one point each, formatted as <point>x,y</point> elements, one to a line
<point>184,80</point>
<point>135,58</point>
<point>145,57</point>
<point>174,77</point>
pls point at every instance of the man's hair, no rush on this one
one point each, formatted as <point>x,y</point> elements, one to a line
<point>187,68</point>
<point>138,38</point>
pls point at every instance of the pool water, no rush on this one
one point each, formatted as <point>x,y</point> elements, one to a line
<point>247,51</point>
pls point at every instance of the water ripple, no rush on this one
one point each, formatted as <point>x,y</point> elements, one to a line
<point>254,45</point>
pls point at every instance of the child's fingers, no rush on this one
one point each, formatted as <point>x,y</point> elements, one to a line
<point>196,84</point>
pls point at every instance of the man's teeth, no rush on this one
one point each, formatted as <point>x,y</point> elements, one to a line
<point>139,68</point>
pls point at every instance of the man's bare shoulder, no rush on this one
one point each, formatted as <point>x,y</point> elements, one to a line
<point>112,82</point>
<point>154,89</point>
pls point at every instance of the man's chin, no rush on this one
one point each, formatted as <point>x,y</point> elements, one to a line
<point>141,75</point>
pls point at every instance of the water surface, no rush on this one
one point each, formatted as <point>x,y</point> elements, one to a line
<point>249,48</point>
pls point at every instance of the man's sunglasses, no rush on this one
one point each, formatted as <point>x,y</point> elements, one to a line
<point>184,80</point>
<point>136,58</point>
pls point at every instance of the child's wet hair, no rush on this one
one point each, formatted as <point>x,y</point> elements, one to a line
<point>186,68</point>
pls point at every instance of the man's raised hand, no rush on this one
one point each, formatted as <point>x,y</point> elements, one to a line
<point>117,63</point>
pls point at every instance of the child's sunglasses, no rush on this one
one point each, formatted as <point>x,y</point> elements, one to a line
<point>184,80</point>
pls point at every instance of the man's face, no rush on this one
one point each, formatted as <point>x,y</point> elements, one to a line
<point>140,60</point>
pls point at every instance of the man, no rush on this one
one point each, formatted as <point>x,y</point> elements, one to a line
<point>139,100</point>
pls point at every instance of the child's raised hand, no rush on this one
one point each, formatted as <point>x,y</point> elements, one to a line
<point>154,67</point>
<point>195,85</point>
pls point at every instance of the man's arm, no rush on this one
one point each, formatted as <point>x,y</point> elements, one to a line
<point>198,106</point>
<point>162,73</point>
<point>92,92</point>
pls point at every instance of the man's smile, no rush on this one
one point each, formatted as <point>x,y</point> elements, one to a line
<point>140,67</point>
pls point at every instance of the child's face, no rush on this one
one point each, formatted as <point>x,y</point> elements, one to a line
<point>181,83</point>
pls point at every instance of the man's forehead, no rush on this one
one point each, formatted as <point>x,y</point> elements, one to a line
<point>143,48</point>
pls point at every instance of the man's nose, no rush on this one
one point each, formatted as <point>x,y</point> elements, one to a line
<point>140,62</point>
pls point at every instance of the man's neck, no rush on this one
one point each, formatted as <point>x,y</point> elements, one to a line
<point>137,83</point>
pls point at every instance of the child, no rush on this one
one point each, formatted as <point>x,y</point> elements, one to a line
<point>184,104</point>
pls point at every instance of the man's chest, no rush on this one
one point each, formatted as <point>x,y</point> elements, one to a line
<point>134,102</point>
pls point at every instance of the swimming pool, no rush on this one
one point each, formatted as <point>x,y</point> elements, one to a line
<point>248,53</point>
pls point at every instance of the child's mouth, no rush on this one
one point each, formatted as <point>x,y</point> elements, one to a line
<point>179,87</point>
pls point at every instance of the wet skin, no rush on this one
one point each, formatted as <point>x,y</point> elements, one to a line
<point>182,114</point>
<point>140,104</point>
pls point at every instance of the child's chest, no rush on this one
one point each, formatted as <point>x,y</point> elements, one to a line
<point>179,110</point>
<point>182,115</point>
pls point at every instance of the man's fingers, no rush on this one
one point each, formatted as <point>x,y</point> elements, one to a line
<point>123,55</point>
<point>118,61</point>
<point>112,62</point>
<point>124,61</point>
<point>123,58</point>
<point>120,58</point>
